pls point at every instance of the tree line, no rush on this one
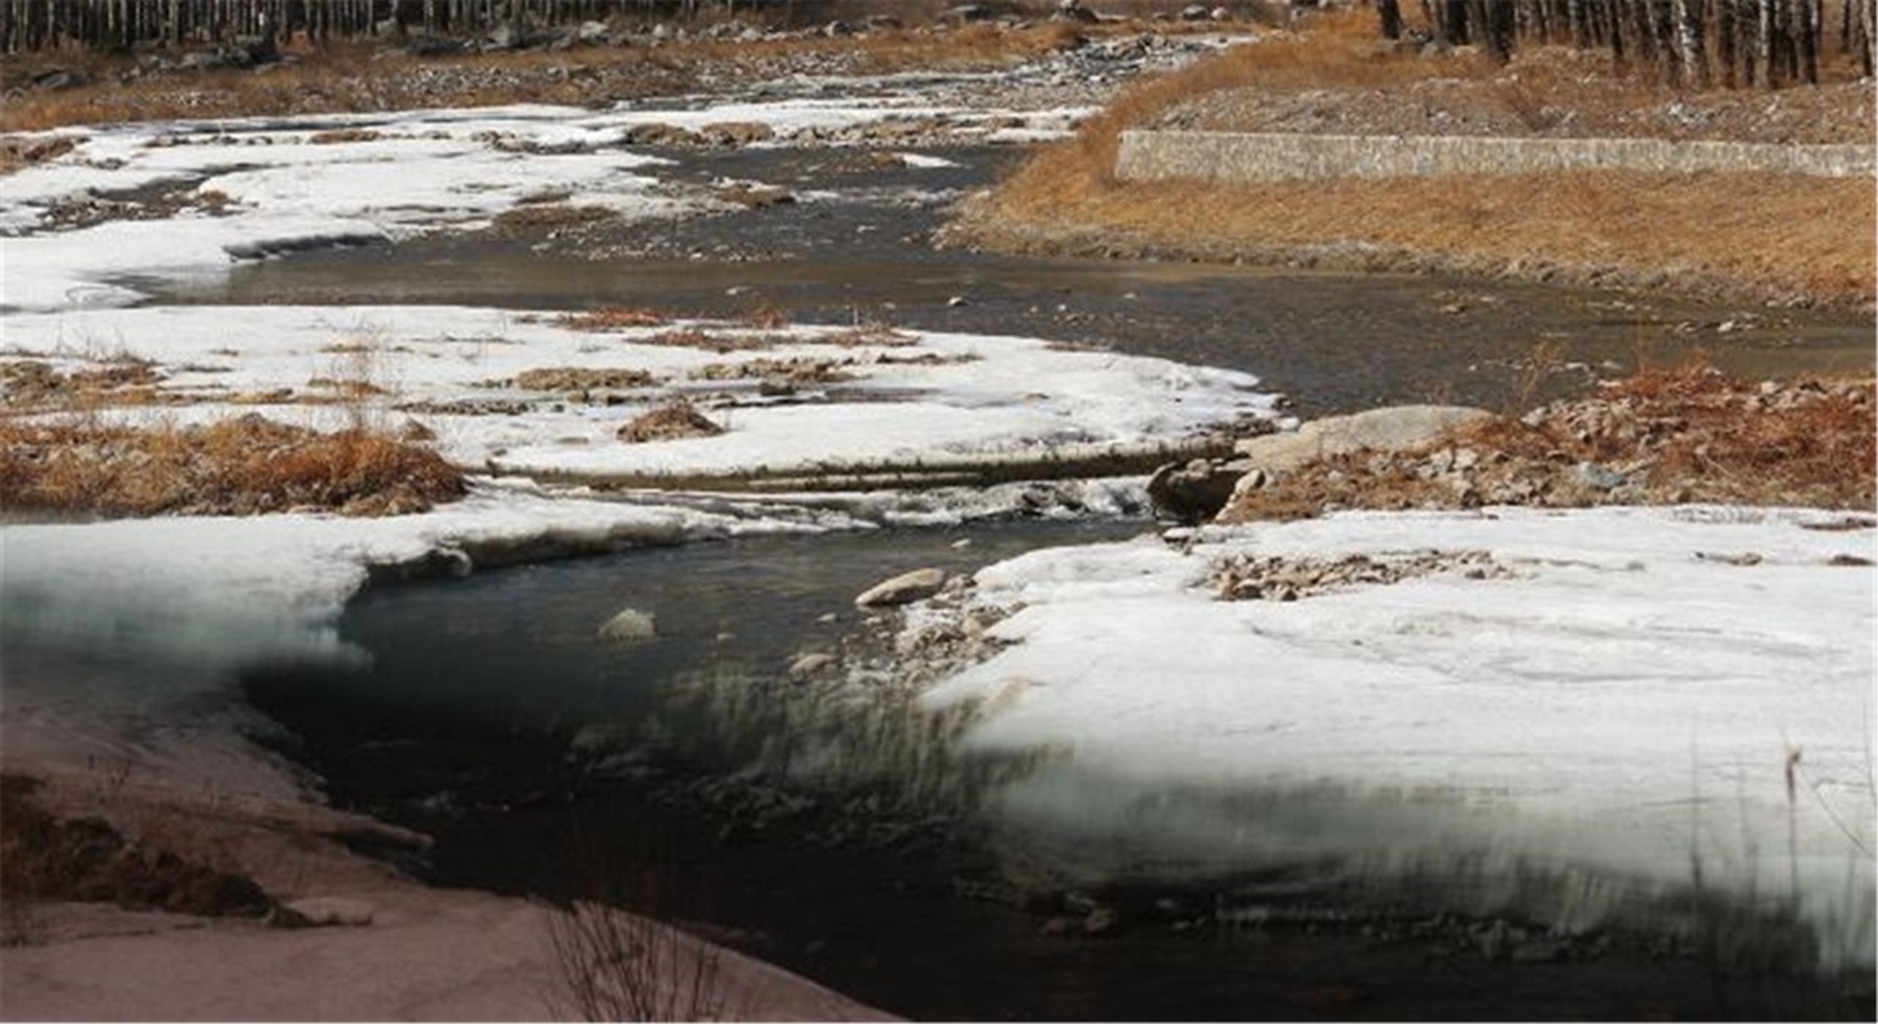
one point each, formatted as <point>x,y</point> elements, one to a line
<point>120,24</point>
<point>1734,43</point>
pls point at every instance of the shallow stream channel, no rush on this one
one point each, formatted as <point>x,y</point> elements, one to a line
<point>696,778</point>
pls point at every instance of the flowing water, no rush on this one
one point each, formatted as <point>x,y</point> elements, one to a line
<point>855,248</point>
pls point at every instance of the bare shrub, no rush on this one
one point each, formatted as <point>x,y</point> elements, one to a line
<point>611,965</point>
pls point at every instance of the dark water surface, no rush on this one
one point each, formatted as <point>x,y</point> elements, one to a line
<point>486,694</point>
<point>856,247</point>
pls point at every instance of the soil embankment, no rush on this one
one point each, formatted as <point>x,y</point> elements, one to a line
<point>1780,238</point>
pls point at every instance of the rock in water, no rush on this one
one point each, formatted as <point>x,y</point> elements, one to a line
<point>630,624</point>
<point>903,589</point>
<point>1194,492</point>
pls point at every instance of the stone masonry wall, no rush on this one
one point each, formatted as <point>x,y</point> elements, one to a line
<point>1249,157</point>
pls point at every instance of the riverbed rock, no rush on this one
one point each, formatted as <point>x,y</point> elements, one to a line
<point>1193,492</point>
<point>1390,429</point>
<point>658,133</point>
<point>736,133</point>
<point>630,624</point>
<point>810,664</point>
<point>903,589</point>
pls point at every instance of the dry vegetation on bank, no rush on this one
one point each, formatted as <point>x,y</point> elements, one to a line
<point>1767,236</point>
<point>1667,435</point>
<point>243,466</point>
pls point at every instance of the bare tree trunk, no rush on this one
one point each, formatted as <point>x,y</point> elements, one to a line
<point>1725,40</point>
<point>1808,30</point>
<point>1690,41</point>
<point>1389,18</point>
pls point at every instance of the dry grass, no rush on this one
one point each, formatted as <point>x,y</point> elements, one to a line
<point>612,318</point>
<point>1699,434</point>
<point>19,153</point>
<point>1667,435</point>
<point>242,466</point>
<point>1770,232</point>
<point>576,378</point>
<point>673,421</point>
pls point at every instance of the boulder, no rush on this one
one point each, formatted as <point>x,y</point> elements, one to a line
<point>1194,492</point>
<point>1195,12</point>
<point>630,624</point>
<point>1390,429</point>
<point>1073,10</point>
<point>903,589</point>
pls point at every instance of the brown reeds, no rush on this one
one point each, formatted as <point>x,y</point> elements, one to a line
<point>241,466</point>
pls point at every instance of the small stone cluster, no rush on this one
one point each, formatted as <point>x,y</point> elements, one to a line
<point>1275,578</point>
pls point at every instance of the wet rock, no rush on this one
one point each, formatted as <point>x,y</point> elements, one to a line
<point>1101,921</point>
<point>630,624</point>
<point>903,589</point>
<point>810,664</point>
<point>1195,491</point>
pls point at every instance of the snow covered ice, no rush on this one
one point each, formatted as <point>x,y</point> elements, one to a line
<point>1616,705</point>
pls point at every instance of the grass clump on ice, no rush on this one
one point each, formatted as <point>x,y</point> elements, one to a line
<point>242,466</point>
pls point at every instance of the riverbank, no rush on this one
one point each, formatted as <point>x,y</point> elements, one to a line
<point>129,897</point>
<point>1772,238</point>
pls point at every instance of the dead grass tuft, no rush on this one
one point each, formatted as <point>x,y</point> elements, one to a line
<point>343,135</point>
<point>612,318</point>
<point>672,421</point>
<point>582,379</point>
<point>242,466</point>
<point>547,216</point>
<point>692,337</point>
<point>18,153</point>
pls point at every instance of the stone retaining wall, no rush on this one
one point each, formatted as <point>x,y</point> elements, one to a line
<point>1249,157</point>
